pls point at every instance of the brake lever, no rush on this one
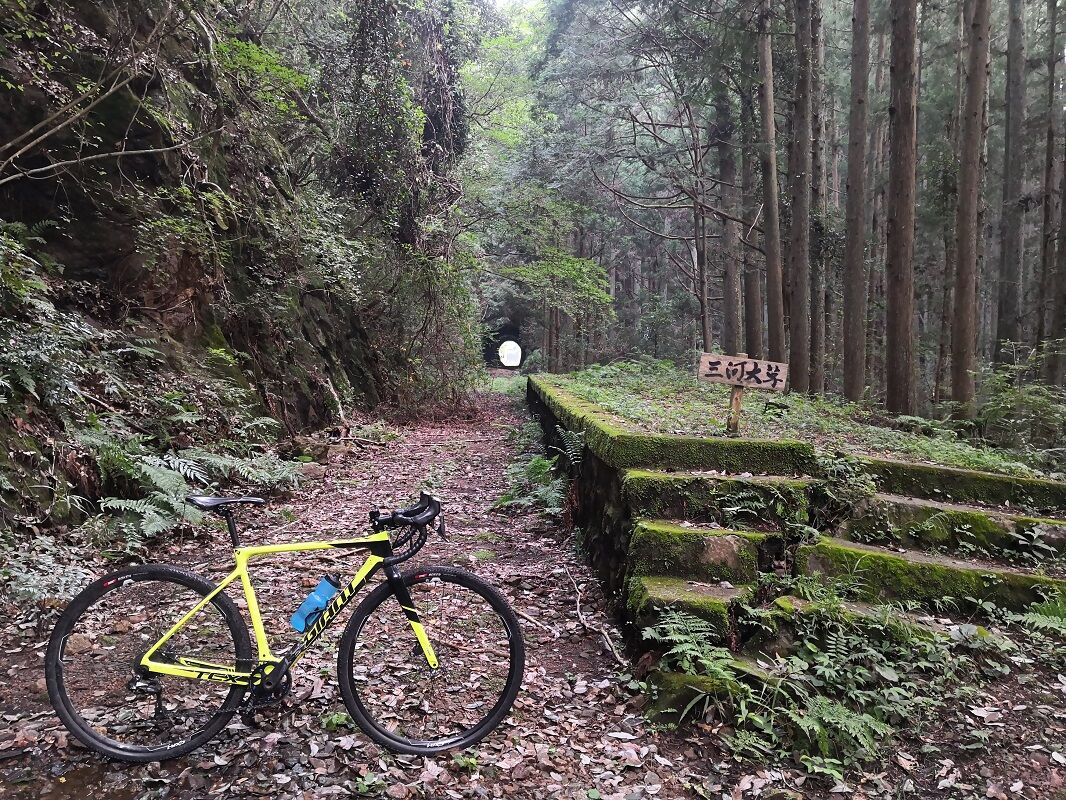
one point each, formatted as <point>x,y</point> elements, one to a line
<point>440,526</point>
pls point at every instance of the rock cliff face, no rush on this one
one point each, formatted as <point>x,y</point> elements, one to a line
<point>256,192</point>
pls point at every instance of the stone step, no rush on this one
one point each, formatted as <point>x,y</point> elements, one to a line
<point>935,524</point>
<point>774,632</point>
<point>934,482</point>
<point>700,552</point>
<point>735,500</point>
<point>885,574</point>
<point>648,595</point>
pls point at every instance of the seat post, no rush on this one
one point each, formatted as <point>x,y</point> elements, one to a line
<point>232,527</point>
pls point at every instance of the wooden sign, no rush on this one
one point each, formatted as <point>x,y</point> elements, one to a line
<point>741,373</point>
<point>748,373</point>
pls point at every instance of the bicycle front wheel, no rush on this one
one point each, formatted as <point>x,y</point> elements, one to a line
<point>113,705</point>
<point>397,698</point>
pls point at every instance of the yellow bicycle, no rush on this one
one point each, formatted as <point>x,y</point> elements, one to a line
<point>151,662</point>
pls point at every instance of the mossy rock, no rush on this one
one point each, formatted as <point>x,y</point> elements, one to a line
<point>686,495</point>
<point>930,524</point>
<point>964,485</point>
<point>648,595</point>
<point>703,554</point>
<point>625,446</point>
<point>675,692</point>
<point>920,577</point>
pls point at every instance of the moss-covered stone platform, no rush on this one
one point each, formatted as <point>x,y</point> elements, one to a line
<point>648,595</point>
<point>968,486</point>
<point>697,553</point>
<point>624,446</point>
<point>697,524</point>
<point>712,496</point>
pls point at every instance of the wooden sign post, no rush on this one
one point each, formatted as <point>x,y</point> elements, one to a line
<point>741,373</point>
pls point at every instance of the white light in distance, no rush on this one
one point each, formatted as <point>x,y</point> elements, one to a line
<point>510,354</point>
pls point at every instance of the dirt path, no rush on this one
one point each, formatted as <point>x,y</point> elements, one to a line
<point>572,733</point>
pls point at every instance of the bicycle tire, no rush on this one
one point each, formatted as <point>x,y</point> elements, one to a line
<point>380,733</point>
<point>54,672</point>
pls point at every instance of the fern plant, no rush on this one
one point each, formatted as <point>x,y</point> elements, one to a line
<point>691,645</point>
<point>573,447</point>
<point>830,705</point>
<point>153,486</point>
<point>533,482</point>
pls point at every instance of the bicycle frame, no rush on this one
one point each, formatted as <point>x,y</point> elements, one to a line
<point>380,547</point>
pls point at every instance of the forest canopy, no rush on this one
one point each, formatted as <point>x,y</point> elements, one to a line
<point>870,196</point>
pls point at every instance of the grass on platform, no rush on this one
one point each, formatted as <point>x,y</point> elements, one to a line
<point>663,399</point>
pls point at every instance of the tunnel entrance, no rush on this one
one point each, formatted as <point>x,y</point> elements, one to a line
<point>503,347</point>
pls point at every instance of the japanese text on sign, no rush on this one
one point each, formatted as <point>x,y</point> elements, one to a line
<point>751,373</point>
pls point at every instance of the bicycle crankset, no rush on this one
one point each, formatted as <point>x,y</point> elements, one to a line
<point>258,698</point>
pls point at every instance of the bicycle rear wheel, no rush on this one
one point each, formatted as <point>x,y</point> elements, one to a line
<point>92,664</point>
<point>393,694</point>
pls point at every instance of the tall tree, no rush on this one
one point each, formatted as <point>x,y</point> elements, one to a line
<point>775,298</point>
<point>877,161</point>
<point>948,180</point>
<point>1047,238</point>
<point>1055,366</point>
<point>899,253</point>
<point>753,302</point>
<point>855,212</point>
<point>1008,323</point>
<point>964,326</point>
<point>754,309</point>
<point>727,176</point>
<point>818,202</point>
<point>799,318</point>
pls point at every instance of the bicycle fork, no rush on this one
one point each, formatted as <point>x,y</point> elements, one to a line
<point>403,595</point>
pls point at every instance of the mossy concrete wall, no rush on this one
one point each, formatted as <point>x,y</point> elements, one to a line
<point>648,595</point>
<point>695,496</point>
<point>968,486</point>
<point>597,508</point>
<point>716,554</point>
<point>881,575</point>
<point>930,525</point>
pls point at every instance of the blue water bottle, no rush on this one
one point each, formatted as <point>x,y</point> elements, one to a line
<point>315,603</point>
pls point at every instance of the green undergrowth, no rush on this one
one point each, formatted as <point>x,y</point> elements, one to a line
<point>104,431</point>
<point>850,683</point>
<point>513,386</point>
<point>153,484</point>
<point>536,481</point>
<point>39,578</point>
<point>662,399</point>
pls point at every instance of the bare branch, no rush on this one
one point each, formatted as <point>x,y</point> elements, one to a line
<point>58,165</point>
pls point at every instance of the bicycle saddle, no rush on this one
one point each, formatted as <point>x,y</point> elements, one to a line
<point>207,503</point>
